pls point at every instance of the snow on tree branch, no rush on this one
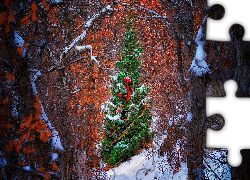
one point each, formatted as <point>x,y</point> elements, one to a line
<point>67,65</point>
<point>88,24</point>
<point>79,48</point>
<point>56,142</point>
<point>107,10</point>
<point>150,11</point>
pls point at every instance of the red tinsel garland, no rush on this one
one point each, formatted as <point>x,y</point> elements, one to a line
<point>128,80</point>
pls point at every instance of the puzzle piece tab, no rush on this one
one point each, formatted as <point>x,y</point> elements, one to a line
<point>236,12</point>
<point>236,114</point>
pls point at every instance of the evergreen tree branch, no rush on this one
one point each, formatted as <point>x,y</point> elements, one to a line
<point>123,134</point>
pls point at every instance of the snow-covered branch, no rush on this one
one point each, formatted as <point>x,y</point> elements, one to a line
<point>67,65</point>
<point>80,48</point>
<point>107,10</point>
<point>55,142</point>
<point>150,11</point>
<point>87,25</point>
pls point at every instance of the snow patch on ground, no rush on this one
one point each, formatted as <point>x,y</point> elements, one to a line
<point>147,165</point>
<point>214,168</point>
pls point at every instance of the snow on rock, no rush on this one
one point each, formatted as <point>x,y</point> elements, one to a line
<point>38,73</point>
<point>107,8</point>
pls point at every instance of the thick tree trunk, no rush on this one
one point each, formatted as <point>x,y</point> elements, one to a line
<point>66,136</point>
<point>197,128</point>
<point>91,116</point>
<point>243,171</point>
<point>241,75</point>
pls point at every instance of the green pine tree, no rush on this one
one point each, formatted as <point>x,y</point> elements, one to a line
<point>127,113</point>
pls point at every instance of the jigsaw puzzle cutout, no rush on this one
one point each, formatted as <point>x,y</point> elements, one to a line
<point>235,11</point>
<point>235,132</point>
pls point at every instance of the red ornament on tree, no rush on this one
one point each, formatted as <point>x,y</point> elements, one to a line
<point>122,106</point>
<point>128,80</point>
<point>120,95</point>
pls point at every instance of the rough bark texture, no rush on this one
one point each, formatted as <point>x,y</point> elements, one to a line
<point>241,75</point>
<point>67,157</point>
<point>197,128</point>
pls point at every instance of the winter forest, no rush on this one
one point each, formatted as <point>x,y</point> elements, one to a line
<point>114,90</point>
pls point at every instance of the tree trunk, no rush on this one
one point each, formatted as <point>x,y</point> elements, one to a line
<point>241,75</point>
<point>91,122</point>
<point>242,172</point>
<point>66,135</point>
<point>197,128</point>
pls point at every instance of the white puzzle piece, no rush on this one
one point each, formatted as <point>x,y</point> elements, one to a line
<point>236,12</point>
<point>235,133</point>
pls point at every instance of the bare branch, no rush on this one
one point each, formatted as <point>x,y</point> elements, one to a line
<point>80,48</point>
<point>217,177</point>
<point>150,11</point>
<point>87,26</point>
<point>67,65</point>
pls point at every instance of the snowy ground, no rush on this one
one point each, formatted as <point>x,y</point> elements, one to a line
<point>150,166</point>
<point>149,163</point>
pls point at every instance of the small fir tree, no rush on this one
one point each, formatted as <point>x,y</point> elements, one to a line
<point>127,113</point>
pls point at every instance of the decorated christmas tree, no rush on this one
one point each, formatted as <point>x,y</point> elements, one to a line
<point>127,114</point>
